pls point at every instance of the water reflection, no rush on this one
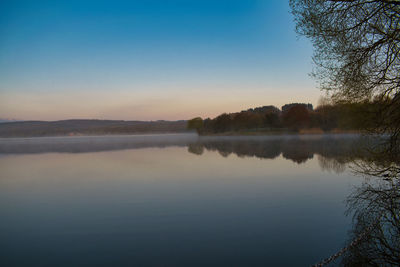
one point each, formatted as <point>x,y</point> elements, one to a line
<point>374,239</point>
<point>210,194</point>
<point>333,151</point>
<point>84,144</point>
<point>297,148</point>
<point>375,206</point>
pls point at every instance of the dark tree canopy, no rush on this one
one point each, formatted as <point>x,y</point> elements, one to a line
<point>327,117</point>
<point>357,44</point>
<point>195,124</point>
<point>357,51</point>
<point>297,117</point>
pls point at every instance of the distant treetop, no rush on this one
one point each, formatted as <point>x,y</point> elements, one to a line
<point>264,109</point>
<point>289,106</point>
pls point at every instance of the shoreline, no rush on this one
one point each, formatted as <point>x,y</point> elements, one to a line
<point>311,131</point>
<point>192,134</point>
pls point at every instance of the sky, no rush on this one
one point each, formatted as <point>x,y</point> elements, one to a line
<point>149,60</point>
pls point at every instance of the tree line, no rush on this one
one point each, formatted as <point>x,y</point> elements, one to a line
<point>292,118</point>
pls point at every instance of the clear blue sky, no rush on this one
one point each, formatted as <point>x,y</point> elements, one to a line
<point>149,59</point>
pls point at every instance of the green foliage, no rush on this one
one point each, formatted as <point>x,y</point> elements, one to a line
<point>247,120</point>
<point>195,124</point>
<point>223,123</point>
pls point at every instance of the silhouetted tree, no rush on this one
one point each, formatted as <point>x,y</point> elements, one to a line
<point>223,123</point>
<point>271,119</point>
<point>247,120</point>
<point>296,117</point>
<point>326,117</point>
<point>196,124</point>
<point>357,53</point>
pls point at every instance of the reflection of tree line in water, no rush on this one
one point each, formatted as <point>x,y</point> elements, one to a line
<point>333,153</point>
<point>376,203</point>
<point>374,239</point>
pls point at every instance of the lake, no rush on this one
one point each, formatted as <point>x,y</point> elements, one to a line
<point>174,200</point>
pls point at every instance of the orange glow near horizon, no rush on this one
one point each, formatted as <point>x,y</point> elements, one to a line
<point>125,105</point>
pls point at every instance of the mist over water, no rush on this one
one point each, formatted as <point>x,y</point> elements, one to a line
<point>249,145</point>
<point>174,200</point>
<point>80,144</point>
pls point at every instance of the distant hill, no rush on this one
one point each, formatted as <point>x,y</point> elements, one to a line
<point>2,120</point>
<point>88,127</point>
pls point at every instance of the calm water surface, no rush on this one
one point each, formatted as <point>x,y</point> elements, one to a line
<point>174,200</point>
